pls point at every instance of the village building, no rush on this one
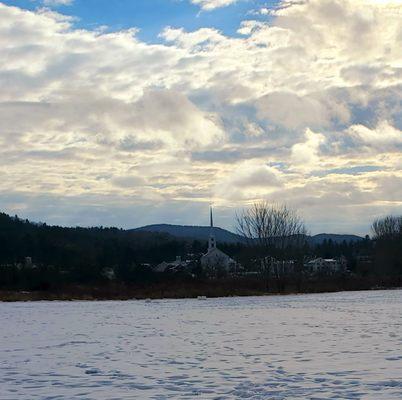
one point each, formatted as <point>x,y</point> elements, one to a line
<point>213,261</point>
<point>174,266</point>
<point>215,258</point>
<point>326,265</point>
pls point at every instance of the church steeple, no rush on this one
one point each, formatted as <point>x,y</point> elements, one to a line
<point>212,241</point>
<point>211,218</point>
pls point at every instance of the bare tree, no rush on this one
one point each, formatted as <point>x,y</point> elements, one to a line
<point>389,227</point>
<point>274,231</point>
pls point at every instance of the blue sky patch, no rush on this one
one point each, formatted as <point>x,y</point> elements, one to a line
<point>152,16</point>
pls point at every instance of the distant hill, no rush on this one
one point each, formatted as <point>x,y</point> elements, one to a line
<point>193,232</point>
<point>318,239</point>
<point>225,236</point>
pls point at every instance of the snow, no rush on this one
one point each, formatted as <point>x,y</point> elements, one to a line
<point>321,346</point>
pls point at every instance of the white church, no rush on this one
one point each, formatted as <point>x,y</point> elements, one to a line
<point>215,258</point>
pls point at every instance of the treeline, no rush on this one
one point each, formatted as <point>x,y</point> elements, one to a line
<point>35,256</point>
<point>277,231</point>
<point>387,235</point>
<point>74,247</point>
<point>81,255</point>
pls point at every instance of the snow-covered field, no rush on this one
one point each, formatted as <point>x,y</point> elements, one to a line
<point>324,346</point>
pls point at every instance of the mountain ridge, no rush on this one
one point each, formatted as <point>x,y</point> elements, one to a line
<point>195,232</point>
<point>198,232</point>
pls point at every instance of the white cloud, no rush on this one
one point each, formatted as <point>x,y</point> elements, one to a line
<point>305,155</point>
<point>209,5</point>
<point>384,137</point>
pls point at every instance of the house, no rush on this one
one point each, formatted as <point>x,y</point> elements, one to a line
<point>214,258</point>
<point>326,265</point>
<point>174,266</point>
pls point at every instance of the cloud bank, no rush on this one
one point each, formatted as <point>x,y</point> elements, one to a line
<point>306,108</point>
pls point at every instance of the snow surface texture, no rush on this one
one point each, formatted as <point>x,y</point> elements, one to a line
<point>325,346</point>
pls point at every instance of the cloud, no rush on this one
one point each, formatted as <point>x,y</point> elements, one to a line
<point>128,181</point>
<point>57,3</point>
<point>305,155</point>
<point>208,5</point>
<point>287,110</point>
<point>249,179</point>
<point>384,137</point>
<point>169,116</point>
<point>293,111</point>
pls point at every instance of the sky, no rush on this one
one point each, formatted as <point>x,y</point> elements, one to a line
<point>126,113</point>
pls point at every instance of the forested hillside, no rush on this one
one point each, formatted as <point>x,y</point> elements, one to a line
<point>70,247</point>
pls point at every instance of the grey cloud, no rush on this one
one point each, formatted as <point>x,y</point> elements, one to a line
<point>295,112</point>
<point>256,179</point>
<point>67,153</point>
<point>356,170</point>
<point>128,181</point>
<point>242,152</point>
<point>130,144</point>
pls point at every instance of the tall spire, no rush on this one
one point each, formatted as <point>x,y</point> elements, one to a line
<point>211,241</point>
<point>211,217</point>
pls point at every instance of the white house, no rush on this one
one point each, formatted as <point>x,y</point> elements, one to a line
<point>215,258</point>
<point>326,265</point>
